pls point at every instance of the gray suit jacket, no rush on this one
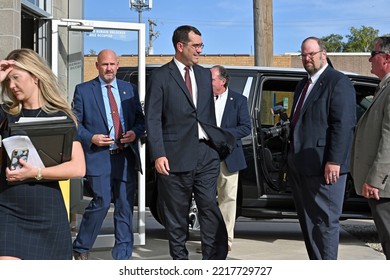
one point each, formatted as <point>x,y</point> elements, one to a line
<point>370,160</point>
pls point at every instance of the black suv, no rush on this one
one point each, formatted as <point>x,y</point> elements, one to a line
<point>264,190</point>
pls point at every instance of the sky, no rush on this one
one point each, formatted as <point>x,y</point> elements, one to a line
<point>227,25</point>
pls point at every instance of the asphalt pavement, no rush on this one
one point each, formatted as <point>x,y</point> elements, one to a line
<point>254,240</point>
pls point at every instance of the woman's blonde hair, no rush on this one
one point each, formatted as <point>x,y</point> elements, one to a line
<point>51,93</point>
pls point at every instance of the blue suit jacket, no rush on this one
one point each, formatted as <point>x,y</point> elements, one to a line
<point>236,120</point>
<point>325,127</point>
<point>89,108</point>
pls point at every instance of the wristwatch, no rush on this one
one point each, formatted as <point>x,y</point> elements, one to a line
<point>39,175</point>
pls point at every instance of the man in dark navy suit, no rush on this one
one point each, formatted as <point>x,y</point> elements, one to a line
<point>111,153</point>
<point>322,124</point>
<point>231,110</point>
<point>181,133</point>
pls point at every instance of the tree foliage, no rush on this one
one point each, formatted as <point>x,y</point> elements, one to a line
<point>359,40</point>
<point>334,43</point>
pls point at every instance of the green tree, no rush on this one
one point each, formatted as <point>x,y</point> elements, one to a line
<point>334,43</point>
<point>360,40</point>
<point>92,52</point>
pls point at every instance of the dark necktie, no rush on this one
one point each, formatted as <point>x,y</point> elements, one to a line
<point>114,113</point>
<point>299,105</point>
<point>187,79</point>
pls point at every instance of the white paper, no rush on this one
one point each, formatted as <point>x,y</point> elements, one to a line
<point>40,119</point>
<point>23,142</point>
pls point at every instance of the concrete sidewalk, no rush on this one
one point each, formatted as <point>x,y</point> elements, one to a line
<point>254,240</point>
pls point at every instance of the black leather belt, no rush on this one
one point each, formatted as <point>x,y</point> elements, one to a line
<point>115,152</point>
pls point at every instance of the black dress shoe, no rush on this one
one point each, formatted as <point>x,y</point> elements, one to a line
<point>80,256</point>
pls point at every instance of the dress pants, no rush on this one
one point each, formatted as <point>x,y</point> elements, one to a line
<point>380,210</point>
<point>119,187</point>
<point>175,194</point>
<point>227,199</point>
<point>319,207</point>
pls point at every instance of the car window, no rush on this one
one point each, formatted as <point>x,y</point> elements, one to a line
<point>364,96</point>
<point>276,91</point>
<point>241,84</point>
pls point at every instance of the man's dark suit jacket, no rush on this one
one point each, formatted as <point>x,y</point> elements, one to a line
<point>236,120</point>
<point>324,130</point>
<point>172,128</point>
<point>89,108</point>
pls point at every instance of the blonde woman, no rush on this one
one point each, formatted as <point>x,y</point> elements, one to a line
<point>33,218</point>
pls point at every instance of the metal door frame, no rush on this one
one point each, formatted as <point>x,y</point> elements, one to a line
<point>107,240</point>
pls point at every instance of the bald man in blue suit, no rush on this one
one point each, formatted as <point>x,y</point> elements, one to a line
<point>111,161</point>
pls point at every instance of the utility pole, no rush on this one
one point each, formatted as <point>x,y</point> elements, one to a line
<point>139,6</point>
<point>151,35</point>
<point>263,32</point>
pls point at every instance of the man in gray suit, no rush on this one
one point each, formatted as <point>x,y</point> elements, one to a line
<point>370,153</point>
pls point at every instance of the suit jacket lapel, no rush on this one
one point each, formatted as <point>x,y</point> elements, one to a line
<point>313,95</point>
<point>176,74</point>
<point>98,96</point>
<point>228,108</point>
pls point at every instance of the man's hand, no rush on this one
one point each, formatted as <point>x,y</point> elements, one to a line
<point>370,191</point>
<point>128,137</point>
<point>162,166</point>
<point>331,172</point>
<point>102,140</point>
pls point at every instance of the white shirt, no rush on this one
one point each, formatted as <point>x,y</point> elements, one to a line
<point>314,79</point>
<point>220,104</point>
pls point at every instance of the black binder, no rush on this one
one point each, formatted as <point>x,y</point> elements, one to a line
<point>53,140</point>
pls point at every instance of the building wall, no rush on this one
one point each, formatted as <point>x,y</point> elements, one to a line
<point>10,18</point>
<point>357,63</point>
<point>351,62</point>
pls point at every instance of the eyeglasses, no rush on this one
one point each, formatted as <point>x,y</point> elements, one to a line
<point>311,55</point>
<point>195,46</point>
<point>374,53</point>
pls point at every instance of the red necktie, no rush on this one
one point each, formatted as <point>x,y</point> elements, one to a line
<point>114,113</point>
<point>187,79</point>
<point>299,105</point>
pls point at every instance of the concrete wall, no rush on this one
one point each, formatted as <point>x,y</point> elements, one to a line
<point>10,18</point>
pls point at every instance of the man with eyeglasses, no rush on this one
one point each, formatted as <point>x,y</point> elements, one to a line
<point>182,133</point>
<point>322,122</point>
<point>370,162</point>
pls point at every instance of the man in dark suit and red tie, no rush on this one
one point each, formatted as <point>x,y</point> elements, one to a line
<point>110,123</point>
<point>322,125</point>
<point>181,130</point>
